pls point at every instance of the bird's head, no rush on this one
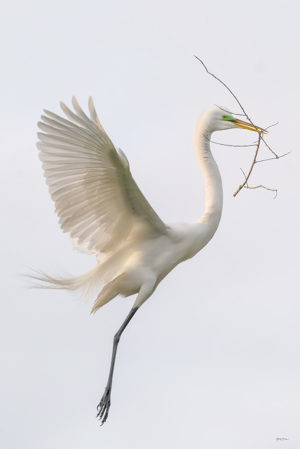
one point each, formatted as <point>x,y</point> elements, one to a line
<point>218,119</point>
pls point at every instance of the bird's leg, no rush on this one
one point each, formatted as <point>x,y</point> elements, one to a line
<point>104,404</point>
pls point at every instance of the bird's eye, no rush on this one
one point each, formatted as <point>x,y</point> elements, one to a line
<point>228,118</point>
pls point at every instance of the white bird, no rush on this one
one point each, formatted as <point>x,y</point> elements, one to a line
<point>101,207</point>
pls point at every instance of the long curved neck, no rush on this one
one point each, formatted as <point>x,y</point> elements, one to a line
<point>212,178</point>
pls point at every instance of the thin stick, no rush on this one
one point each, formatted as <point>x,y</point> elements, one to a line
<point>263,187</point>
<point>226,87</point>
<point>251,168</point>
<point>272,158</point>
<point>257,144</point>
<point>273,124</point>
<point>229,144</point>
<point>229,112</point>
<point>235,146</point>
<point>270,149</point>
<point>259,186</point>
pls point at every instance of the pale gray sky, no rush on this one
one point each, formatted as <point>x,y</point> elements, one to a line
<point>212,359</point>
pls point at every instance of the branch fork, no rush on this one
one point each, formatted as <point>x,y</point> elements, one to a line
<point>257,144</point>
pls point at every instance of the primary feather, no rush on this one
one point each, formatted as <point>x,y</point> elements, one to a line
<point>94,192</point>
<point>104,211</point>
<point>102,208</point>
<point>96,198</point>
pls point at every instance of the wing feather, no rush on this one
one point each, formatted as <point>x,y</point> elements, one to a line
<point>96,198</point>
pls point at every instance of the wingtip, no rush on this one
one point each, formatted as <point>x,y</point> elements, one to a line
<point>74,101</point>
<point>93,311</point>
<point>64,107</point>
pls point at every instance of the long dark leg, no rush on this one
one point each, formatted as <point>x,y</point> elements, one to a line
<point>104,404</point>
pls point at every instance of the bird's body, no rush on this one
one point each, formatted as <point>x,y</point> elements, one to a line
<point>104,211</point>
<point>147,263</point>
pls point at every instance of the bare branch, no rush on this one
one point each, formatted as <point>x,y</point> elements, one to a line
<point>251,168</point>
<point>263,187</point>
<point>226,87</point>
<point>234,146</point>
<point>270,149</point>
<point>229,112</point>
<point>260,186</point>
<point>244,174</point>
<point>229,144</point>
<point>273,124</point>
<point>256,144</point>
<point>273,158</point>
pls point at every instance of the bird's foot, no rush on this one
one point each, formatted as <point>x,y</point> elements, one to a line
<point>103,406</point>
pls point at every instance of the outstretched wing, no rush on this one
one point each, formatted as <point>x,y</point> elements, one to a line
<point>96,197</point>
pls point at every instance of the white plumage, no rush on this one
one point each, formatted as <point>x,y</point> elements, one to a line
<point>104,211</point>
<point>96,197</point>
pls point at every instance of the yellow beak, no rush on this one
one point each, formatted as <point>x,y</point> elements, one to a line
<point>246,125</point>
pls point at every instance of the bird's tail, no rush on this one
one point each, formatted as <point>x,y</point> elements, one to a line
<point>110,271</point>
<point>87,283</point>
<point>109,291</point>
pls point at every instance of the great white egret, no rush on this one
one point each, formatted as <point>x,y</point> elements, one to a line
<point>101,207</point>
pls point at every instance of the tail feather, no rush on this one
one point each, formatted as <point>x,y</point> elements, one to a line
<point>87,282</point>
<point>109,291</point>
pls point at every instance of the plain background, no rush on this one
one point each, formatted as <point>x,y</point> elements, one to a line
<point>212,359</point>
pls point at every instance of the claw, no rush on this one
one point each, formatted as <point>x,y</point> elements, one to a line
<point>103,406</point>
